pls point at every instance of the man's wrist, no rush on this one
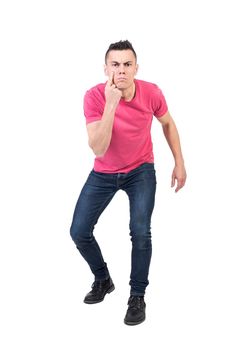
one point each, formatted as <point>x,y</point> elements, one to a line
<point>110,107</point>
<point>179,162</point>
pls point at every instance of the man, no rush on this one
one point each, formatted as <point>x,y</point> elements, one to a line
<point>119,116</point>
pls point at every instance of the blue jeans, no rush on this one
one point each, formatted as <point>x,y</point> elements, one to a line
<point>98,191</point>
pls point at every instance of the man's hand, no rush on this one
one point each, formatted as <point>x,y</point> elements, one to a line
<point>112,93</point>
<point>179,175</point>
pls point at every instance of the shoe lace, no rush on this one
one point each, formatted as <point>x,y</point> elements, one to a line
<point>135,302</point>
<point>97,286</point>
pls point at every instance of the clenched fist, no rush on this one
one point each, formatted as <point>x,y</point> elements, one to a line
<point>112,93</point>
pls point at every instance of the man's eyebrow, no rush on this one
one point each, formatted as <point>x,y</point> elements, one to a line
<point>119,62</point>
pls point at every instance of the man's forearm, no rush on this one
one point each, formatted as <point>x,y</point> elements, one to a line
<point>101,139</point>
<point>172,137</point>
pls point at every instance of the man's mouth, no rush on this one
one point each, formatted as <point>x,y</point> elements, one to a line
<point>121,79</point>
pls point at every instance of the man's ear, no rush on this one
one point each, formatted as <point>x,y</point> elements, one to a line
<point>137,67</point>
<point>105,69</point>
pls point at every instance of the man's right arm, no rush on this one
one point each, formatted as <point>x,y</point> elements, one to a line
<point>100,132</point>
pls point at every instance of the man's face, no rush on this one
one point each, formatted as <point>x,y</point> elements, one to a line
<point>123,64</point>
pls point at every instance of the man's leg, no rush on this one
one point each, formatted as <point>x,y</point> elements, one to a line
<point>141,192</point>
<point>96,194</point>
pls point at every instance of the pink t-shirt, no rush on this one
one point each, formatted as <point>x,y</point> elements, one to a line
<point>131,143</point>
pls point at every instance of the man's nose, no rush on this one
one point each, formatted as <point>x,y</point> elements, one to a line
<point>121,69</point>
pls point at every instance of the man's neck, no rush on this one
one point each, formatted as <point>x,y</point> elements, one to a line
<point>129,93</point>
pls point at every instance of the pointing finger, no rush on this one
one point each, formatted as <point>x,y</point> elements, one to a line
<point>111,79</point>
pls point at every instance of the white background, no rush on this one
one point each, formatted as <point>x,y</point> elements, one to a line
<point>51,53</point>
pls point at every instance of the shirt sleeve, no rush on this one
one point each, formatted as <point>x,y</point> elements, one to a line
<point>159,103</point>
<point>91,110</point>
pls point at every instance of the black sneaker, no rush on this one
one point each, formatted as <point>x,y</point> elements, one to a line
<point>99,290</point>
<point>136,310</point>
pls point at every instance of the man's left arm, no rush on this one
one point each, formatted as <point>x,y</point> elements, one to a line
<point>172,137</point>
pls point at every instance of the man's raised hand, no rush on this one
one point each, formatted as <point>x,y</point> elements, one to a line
<point>112,93</point>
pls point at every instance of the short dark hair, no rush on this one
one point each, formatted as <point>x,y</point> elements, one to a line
<point>120,45</point>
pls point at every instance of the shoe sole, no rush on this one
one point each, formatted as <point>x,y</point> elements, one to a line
<point>129,323</point>
<point>100,300</point>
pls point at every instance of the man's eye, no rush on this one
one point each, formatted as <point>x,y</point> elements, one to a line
<point>115,64</point>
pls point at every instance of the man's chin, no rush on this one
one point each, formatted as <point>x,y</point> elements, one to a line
<point>121,85</point>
